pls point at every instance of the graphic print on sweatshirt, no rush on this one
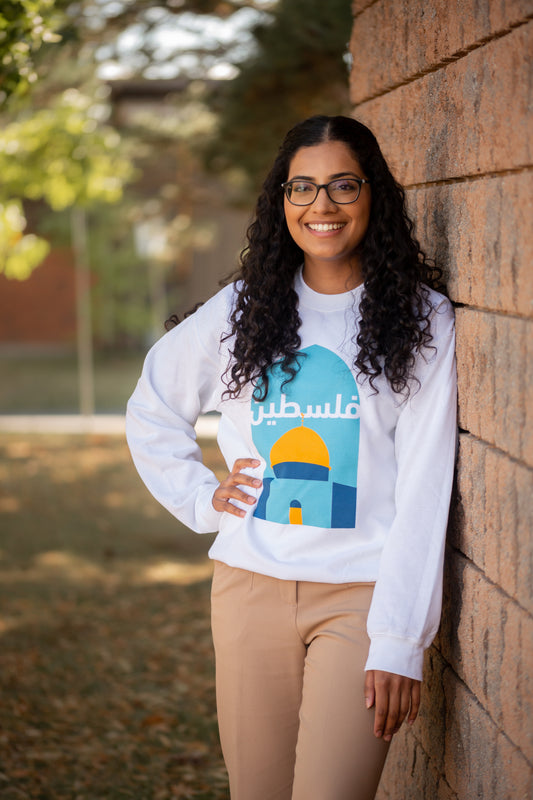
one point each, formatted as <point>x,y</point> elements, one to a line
<point>308,434</point>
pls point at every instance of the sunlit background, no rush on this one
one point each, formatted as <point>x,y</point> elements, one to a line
<point>134,137</point>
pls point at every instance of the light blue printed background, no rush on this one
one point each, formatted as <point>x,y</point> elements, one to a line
<point>325,392</point>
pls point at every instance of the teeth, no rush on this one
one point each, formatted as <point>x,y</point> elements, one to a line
<point>322,226</point>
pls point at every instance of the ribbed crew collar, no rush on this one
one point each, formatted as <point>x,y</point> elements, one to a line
<point>325,302</point>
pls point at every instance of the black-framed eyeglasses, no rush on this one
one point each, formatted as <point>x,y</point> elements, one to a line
<point>341,190</point>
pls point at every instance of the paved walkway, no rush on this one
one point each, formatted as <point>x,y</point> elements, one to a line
<point>206,427</point>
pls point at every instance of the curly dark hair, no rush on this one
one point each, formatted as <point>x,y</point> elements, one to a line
<point>395,311</point>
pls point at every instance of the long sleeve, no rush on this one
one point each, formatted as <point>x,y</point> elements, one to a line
<point>181,379</point>
<point>405,612</point>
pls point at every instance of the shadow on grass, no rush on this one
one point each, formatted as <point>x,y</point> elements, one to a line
<point>106,662</point>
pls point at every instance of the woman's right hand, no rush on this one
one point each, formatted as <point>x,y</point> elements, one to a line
<point>228,489</point>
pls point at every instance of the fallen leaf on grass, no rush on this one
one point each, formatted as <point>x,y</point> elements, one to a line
<point>155,720</point>
<point>108,685</point>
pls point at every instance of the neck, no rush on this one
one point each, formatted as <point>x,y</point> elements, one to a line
<point>332,278</point>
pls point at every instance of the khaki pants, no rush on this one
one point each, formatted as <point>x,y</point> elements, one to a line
<point>290,661</point>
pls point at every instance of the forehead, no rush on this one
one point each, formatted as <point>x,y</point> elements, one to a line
<point>323,160</point>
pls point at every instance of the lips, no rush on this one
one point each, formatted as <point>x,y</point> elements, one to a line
<point>323,227</point>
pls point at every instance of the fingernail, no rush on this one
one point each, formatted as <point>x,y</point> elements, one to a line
<point>368,702</point>
<point>257,482</point>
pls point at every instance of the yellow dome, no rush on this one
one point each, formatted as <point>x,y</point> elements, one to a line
<point>300,445</point>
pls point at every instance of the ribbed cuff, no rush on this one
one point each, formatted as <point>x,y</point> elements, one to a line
<point>393,654</point>
<point>207,518</point>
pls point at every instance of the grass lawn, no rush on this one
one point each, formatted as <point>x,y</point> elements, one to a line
<point>106,662</point>
<point>48,384</point>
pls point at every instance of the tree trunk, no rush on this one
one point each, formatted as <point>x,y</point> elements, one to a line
<point>83,311</point>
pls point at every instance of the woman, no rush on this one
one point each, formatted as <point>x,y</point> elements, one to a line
<point>331,360</point>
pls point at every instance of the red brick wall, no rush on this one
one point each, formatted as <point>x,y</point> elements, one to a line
<point>40,310</point>
<point>446,87</point>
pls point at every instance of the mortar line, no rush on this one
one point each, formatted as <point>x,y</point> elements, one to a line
<point>524,168</point>
<point>485,710</point>
<point>493,312</point>
<point>448,666</point>
<point>430,759</point>
<point>457,56</point>
<point>489,580</point>
<point>362,11</point>
<point>513,459</point>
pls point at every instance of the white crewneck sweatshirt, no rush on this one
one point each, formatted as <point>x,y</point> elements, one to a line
<point>356,484</point>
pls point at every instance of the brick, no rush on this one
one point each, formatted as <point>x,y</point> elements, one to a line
<point>480,231</point>
<point>429,727</point>
<point>399,765</point>
<point>417,36</point>
<point>488,640</point>
<point>418,753</point>
<point>359,5</point>
<point>449,124</point>
<point>446,87</point>
<point>477,760</point>
<point>409,773</point>
<point>492,517</point>
<point>495,379</point>
<point>480,760</point>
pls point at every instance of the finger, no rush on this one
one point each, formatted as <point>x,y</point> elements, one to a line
<point>405,704</point>
<point>224,503</point>
<point>380,716</point>
<point>230,488</point>
<point>241,479</point>
<point>393,713</point>
<point>228,508</point>
<point>415,702</point>
<point>381,702</point>
<point>233,493</point>
<point>229,491</point>
<point>389,688</point>
<point>369,692</point>
<point>245,463</point>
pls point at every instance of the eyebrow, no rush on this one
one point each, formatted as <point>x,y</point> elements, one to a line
<point>331,177</point>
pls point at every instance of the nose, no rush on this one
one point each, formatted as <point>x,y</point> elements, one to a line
<point>323,200</point>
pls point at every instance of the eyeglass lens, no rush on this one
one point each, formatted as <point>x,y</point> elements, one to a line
<point>304,193</point>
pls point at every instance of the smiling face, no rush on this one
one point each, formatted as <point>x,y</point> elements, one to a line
<point>329,233</point>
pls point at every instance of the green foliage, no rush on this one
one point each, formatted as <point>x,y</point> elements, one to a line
<point>61,155</point>
<point>19,253</point>
<point>24,26</point>
<point>298,69</point>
